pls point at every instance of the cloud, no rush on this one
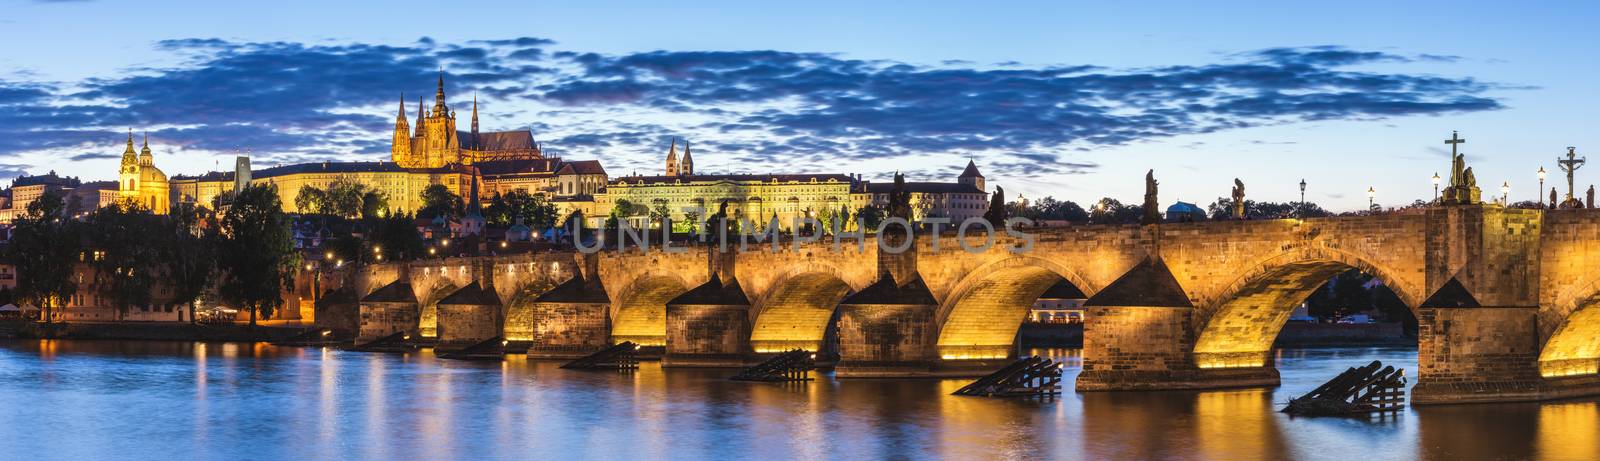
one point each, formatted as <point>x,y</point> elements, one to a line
<point>292,101</point>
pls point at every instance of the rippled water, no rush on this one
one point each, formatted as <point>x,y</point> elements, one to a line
<point>149,400</point>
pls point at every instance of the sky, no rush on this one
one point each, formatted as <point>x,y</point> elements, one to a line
<point>1074,100</point>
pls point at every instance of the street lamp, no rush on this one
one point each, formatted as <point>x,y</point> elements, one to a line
<point>1435,186</point>
<point>1505,193</point>
<point>1536,193</point>
<point>1372,195</point>
<point>1302,197</point>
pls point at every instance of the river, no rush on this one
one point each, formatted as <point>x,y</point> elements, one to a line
<point>229,401</point>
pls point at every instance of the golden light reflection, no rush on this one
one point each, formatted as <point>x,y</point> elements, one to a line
<point>1569,431</point>
<point>1238,425</point>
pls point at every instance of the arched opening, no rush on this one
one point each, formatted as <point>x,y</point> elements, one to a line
<point>519,313</point>
<point>640,315</point>
<point>1331,302</point>
<point>981,318</point>
<point>797,313</point>
<point>1574,348</point>
<point>429,321</point>
<point>1055,320</point>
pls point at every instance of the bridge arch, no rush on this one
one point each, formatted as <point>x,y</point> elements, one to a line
<point>1238,327</point>
<point>797,309</point>
<point>1573,346</point>
<point>980,317</point>
<point>428,323</point>
<point>639,312</point>
<point>519,313</point>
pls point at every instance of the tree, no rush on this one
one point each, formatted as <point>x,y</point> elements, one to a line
<point>45,246</point>
<point>310,200</point>
<point>395,234</point>
<point>437,200</point>
<point>374,204</point>
<point>997,209</point>
<point>345,198</point>
<point>659,212</point>
<point>260,259</point>
<point>536,211</point>
<point>125,253</point>
<point>189,253</point>
<point>870,216</point>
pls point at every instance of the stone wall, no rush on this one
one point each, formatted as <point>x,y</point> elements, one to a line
<point>383,319</point>
<point>707,335</point>
<point>886,340</point>
<point>462,325</point>
<point>562,330</point>
<point>1476,354</point>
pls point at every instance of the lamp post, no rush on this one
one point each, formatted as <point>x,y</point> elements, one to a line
<point>1505,193</point>
<point>1302,212</point>
<point>1536,193</point>
<point>1372,195</point>
<point>1435,186</point>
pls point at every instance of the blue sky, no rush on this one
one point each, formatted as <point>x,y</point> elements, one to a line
<point>1070,99</point>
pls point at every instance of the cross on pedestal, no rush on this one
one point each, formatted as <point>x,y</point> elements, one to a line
<point>1455,166</point>
<point>1569,165</point>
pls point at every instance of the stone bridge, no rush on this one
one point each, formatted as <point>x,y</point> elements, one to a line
<point>1505,298</point>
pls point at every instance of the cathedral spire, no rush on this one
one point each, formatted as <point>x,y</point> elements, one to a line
<point>439,108</point>
<point>672,158</point>
<point>130,143</point>
<point>475,120</point>
<point>686,166</point>
<point>420,117</point>
<point>401,118</point>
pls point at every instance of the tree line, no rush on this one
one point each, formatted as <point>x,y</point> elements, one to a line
<point>244,256</point>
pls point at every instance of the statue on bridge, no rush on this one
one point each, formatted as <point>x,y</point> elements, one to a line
<point>1238,199</point>
<point>1552,198</point>
<point>899,199</point>
<point>1152,208</point>
<point>1588,201</point>
<point>1463,188</point>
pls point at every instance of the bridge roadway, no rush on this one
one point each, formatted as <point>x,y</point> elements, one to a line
<point>1506,299</point>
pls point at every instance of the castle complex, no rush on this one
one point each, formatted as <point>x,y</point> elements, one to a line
<point>435,152</point>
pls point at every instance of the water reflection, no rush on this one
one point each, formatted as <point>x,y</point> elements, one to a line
<point>232,401</point>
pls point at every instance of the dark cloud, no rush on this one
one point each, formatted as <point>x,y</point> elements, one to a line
<point>304,101</point>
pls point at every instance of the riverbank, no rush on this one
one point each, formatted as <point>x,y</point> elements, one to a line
<point>153,331</point>
<point>1294,334</point>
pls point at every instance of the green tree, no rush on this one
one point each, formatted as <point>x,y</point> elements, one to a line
<point>374,204</point>
<point>258,256</point>
<point>870,216</point>
<point>124,253</point>
<point>45,246</point>
<point>437,200</point>
<point>189,253</point>
<point>311,200</point>
<point>535,211</point>
<point>345,198</point>
<point>659,212</point>
<point>395,235</point>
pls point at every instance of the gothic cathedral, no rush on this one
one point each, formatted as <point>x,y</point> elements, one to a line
<point>436,142</point>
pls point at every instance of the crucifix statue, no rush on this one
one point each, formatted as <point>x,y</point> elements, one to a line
<point>1463,189</point>
<point>1569,165</point>
<point>1457,163</point>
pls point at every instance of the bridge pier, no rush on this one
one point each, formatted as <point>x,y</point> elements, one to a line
<point>1140,335</point>
<point>708,326</point>
<point>389,310</point>
<point>571,320</point>
<point>469,316</point>
<point>888,331</point>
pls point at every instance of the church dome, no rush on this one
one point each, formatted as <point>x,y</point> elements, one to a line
<point>151,175</point>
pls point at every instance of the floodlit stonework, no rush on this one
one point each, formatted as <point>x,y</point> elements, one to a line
<point>1232,286</point>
